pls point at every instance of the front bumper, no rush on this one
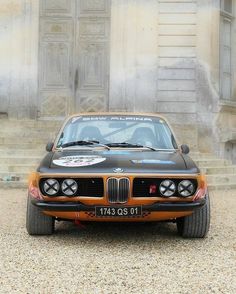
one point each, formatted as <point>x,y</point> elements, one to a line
<point>79,207</point>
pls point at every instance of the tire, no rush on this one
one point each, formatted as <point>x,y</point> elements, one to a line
<point>36,222</point>
<point>197,224</point>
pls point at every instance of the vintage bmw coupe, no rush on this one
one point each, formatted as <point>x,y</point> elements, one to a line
<point>117,167</point>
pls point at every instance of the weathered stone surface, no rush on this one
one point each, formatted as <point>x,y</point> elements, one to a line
<point>60,57</point>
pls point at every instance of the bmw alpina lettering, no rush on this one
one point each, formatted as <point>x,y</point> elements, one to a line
<point>117,167</point>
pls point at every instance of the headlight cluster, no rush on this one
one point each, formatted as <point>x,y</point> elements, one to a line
<point>168,188</point>
<point>68,187</point>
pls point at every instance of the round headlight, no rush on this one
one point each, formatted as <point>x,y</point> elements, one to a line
<point>51,187</point>
<point>167,188</point>
<point>186,188</point>
<point>69,187</point>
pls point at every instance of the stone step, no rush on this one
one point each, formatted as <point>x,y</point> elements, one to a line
<point>33,131</point>
<point>13,185</point>
<point>221,179</point>
<point>223,187</point>
<point>27,132</point>
<point>47,133</point>
<point>203,156</point>
<point>19,161</point>
<point>16,146</point>
<point>231,169</point>
<point>13,176</point>
<point>28,153</point>
<point>24,140</point>
<point>30,123</point>
<point>213,163</point>
<point>18,168</point>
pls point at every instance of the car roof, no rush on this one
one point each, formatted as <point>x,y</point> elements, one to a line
<point>118,113</point>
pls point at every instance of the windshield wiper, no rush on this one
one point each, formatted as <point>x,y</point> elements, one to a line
<point>84,143</point>
<point>129,145</point>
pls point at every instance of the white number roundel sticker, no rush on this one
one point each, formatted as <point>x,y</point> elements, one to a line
<point>78,160</point>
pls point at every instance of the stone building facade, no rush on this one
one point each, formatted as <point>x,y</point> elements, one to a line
<point>174,57</point>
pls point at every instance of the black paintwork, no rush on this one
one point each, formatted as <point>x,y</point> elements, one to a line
<point>166,162</point>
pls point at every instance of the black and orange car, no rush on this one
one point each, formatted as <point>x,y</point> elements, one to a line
<point>118,167</point>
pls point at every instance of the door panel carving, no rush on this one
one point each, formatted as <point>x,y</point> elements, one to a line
<point>94,28</point>
<point>56,65</point>
<point>92,102</point>
<point>57,30</point>
<point>55,104</point>
<point>94,7</point>
<point>61,8</point>
<point>92,66</point>
<point>74,56</point>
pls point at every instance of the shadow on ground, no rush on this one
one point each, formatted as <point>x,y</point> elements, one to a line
<point>116,231</point>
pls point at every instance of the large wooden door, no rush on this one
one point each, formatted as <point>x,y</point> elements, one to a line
<point>73,57</point>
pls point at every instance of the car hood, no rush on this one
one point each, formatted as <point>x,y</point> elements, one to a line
<point>117,161</point>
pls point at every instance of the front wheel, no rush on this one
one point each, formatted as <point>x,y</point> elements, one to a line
<point>36,222</point>
<point>197,224</point>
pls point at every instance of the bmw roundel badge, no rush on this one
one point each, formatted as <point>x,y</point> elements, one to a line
<point>118,170</point>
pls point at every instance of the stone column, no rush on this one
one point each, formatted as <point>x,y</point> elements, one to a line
<point>207,73</point>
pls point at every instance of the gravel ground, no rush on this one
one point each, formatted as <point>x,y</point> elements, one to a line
<point>116,258</point>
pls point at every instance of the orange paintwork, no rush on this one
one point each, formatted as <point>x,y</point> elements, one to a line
<point>85,216</point>
<point>202,190</point>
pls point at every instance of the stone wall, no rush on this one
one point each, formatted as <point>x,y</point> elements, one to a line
<point>18,58</point>
<point>163,57</point>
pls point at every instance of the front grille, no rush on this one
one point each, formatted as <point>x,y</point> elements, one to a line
<point>87,187</point>
<point>118,190</point>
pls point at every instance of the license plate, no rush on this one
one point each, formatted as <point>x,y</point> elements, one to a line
<point>117,211</point>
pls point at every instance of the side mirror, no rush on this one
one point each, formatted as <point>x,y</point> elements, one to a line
<point>185,149</point>
<point>49,146</point>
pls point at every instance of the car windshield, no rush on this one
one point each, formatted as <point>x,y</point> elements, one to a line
<point>117,131</point>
